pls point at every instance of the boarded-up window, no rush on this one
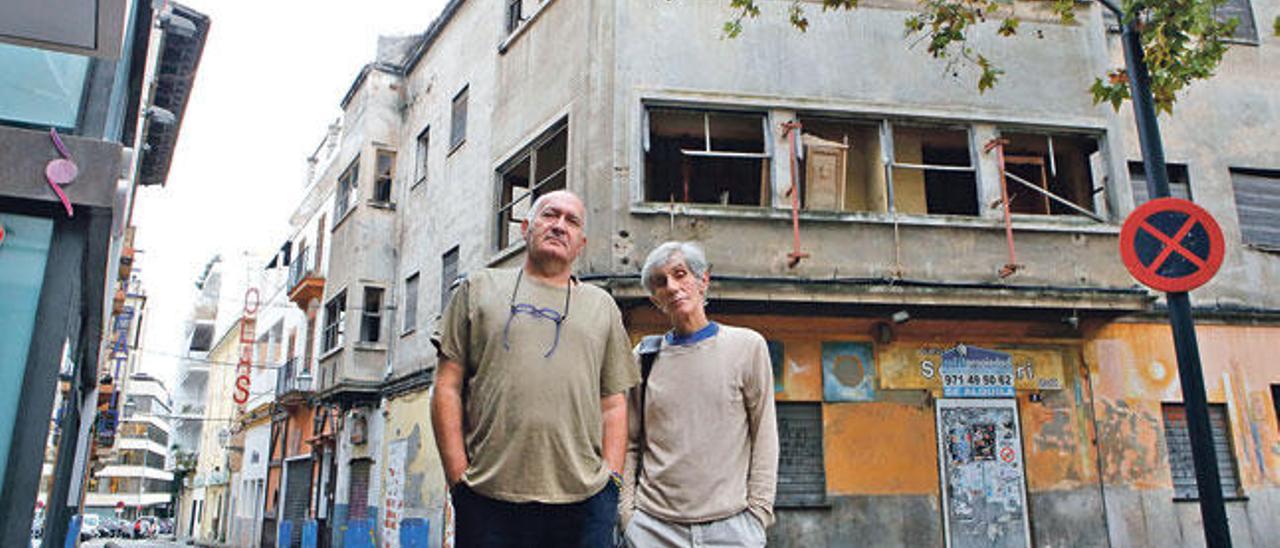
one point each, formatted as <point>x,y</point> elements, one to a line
<point>1179,182</point>
<point>1258,206</point>
<point>358,496</point>
<point>1242,12</point>
<point>1181,464</point>
<point>802,479</point>
<point>841,168</point>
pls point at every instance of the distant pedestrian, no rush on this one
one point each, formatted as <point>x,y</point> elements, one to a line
<point>528,409</point>
<point>702,457</point>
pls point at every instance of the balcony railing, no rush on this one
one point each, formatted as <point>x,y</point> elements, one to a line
<point>293,379</point>
<point>305,280</point>
<point>300,268</point>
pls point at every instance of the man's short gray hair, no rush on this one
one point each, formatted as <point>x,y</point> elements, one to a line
<point>536,207</point>
<point>694,259</point>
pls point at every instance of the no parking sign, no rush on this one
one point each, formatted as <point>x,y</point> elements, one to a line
<point>1171,244</point>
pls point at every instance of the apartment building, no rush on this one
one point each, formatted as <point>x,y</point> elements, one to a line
<point>866,211</point>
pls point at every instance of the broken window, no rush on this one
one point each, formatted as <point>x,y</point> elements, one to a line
<point>841,167</point>
<point>383,176</point>
<point>1053,174</point>
<point>933,171</point>
<point>345,196</point>
<point>335,315</point>
<point>707,157</point>
<point>1257,197</point>
<point>538,169</point>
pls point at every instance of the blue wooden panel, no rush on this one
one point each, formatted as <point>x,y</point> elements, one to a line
<point>414,533</point>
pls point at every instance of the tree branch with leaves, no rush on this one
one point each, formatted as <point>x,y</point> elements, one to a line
<point>1182,40</point>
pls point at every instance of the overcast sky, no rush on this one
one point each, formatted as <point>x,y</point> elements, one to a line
<point>268,85</point>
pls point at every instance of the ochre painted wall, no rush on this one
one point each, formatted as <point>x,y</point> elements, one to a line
<point>1134,370</point>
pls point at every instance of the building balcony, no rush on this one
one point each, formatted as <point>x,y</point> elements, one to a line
<point>305,280</point>
<point>294,383</point>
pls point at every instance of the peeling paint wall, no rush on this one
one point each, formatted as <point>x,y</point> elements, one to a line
<point>409,423</point>
<point>1134,370</point>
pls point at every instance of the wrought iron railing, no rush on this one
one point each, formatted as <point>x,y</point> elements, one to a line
<point>293,377</point>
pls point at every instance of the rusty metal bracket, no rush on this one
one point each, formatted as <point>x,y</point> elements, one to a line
<point>1011,267</point>
<point>793,259</point>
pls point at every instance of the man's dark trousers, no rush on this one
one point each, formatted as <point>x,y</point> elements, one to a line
<point>482,522</point>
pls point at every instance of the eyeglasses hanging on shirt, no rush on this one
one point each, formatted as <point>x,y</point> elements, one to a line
<point>544,313</point>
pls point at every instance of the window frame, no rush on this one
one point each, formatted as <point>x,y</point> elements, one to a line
<point>333,330</point>
<point>371,314</point>
<point>458,118</point>
<point>446,281</point>
<point>421,162</point>
<point>503,211</point>
<point>1180,493</point>
<point>384,183</point>
<point>346,191</point>
<point>412,284</point>
<point>767,156</point>
<point>1248,238</point>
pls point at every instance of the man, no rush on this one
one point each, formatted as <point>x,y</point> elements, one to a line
<point>702,457</point>
<point>528,409</point>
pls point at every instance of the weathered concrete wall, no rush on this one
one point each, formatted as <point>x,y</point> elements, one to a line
<point>1226,122</point>
<point>546,72</point>
<point>362,244</point>
<point>1134,370</point>
<point>422,493</point>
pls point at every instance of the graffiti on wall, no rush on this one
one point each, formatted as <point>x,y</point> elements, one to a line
<point>848,372</point>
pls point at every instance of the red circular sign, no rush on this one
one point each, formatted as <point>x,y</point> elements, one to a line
<point>1171,244</point>
<point>1007,454</point>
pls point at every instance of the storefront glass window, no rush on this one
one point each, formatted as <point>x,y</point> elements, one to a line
<point>41,87</point>
<point>23,253</point>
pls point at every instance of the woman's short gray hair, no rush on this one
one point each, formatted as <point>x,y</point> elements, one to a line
<point>694,259</point>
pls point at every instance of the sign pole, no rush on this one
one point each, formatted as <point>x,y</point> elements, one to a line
<point>1217,532</point>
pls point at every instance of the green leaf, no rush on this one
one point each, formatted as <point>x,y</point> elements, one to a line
<point>1009,27</point>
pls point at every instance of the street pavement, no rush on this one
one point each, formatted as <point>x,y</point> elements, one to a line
<point>148,543</point>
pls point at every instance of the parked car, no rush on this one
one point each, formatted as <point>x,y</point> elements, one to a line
<point>115,528</point>
<point>144,527</point>
<point>89,524</point>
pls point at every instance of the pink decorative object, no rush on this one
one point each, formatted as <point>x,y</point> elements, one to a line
<point>61,171</point>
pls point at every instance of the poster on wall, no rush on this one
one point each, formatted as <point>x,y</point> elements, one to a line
<point>848,372</point>
<point>982,475</point>
<point>393,494</point>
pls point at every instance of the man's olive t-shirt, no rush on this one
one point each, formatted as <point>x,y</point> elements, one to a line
<point>531,423</point>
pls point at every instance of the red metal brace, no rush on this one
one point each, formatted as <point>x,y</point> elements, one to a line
<point>790,129</point>
<point>1012,266</point>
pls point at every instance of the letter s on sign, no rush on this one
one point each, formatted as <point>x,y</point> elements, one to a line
<point>242,389</point>
<point>926,369</point>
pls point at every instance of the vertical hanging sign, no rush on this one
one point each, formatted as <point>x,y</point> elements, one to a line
<point>247,338</point>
